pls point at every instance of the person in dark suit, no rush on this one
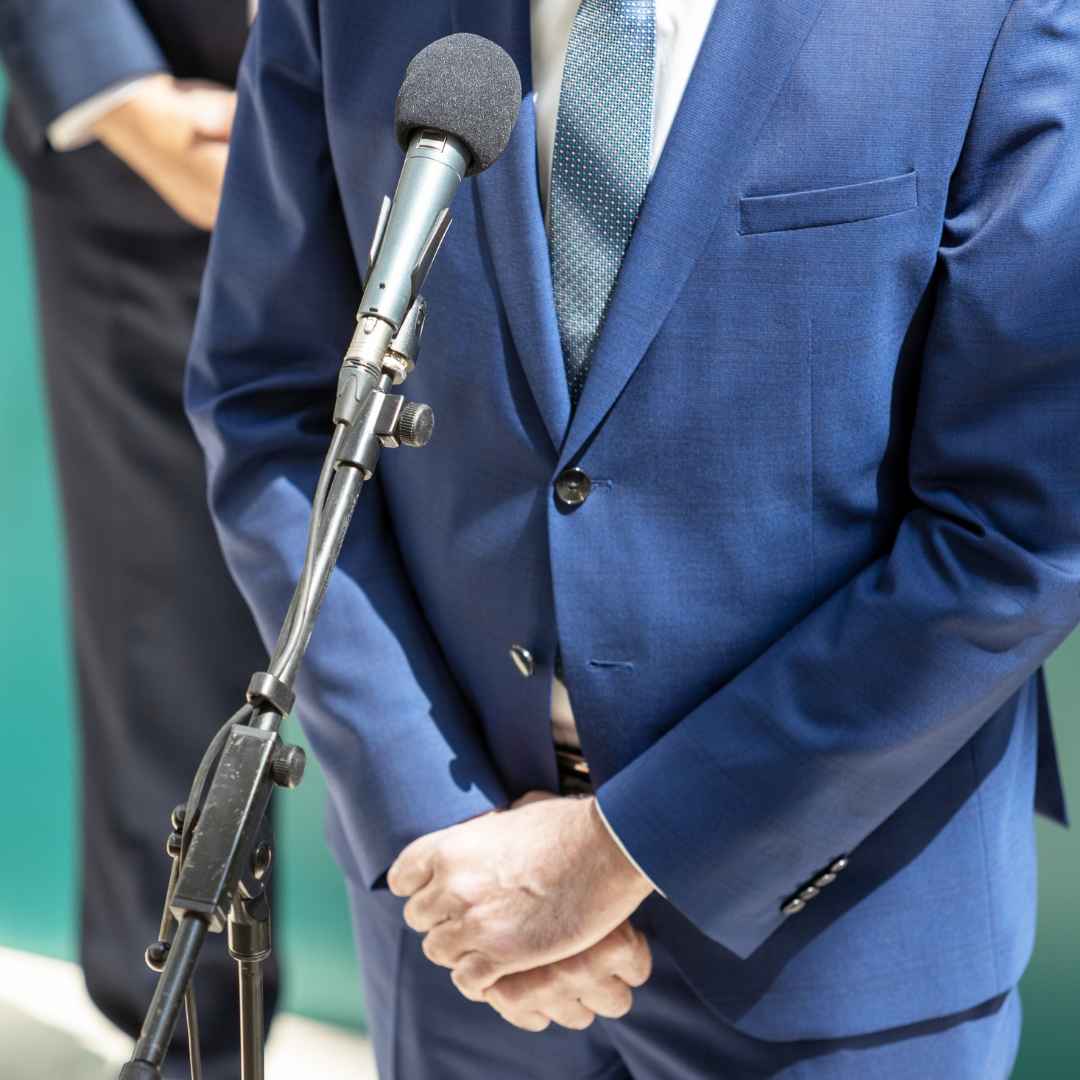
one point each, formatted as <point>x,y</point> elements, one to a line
<point>119,117</point>
<point>754,486</point>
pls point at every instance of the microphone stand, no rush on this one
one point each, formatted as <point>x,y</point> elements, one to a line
<point>222,846</point>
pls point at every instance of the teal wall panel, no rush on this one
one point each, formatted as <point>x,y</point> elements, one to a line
<point>1050,989</point>
<point>38,793</point>
<point>38,803</point>
<point>311,914</point>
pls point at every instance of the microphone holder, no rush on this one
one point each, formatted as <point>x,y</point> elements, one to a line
<point>222,845</point>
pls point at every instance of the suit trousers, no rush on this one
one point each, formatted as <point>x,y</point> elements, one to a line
<point>164,643</point>
<point>423,1029</point>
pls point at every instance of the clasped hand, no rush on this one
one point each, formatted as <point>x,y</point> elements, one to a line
<point>529,909</point>
<point>175,134</point>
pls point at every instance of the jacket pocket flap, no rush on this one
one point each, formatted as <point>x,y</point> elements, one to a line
<point>828,206</point>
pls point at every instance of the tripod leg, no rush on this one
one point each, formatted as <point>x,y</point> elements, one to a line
<point>194,1054</point>
<point>251,1020</point>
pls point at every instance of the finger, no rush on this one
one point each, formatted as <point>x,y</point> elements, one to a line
<point>527,1021</point>
<point>633,963</point>
<point>213,114</point>
<point>192,185</point>
<point>443,946</point>
<point>208,161</point>
<point>413,867</point>
<point>570,998</point>
<point>586,978</point>
<point>524,991</point>
<point>431,907</point>
<point>570,1013</point>
<point>610,998</point>
<point>472,995</point>
<point>474,973</point>
<point>624,952</point>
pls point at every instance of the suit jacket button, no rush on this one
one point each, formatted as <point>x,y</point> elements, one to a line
<point>838,865</point>
<point>793,905</point>
<point>523,660</point>
<point>572,487</point>
<point>808,892</point>
<point>823,879</point>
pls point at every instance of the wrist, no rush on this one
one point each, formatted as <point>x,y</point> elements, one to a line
<point>623,874</point>
<point>128,116</point>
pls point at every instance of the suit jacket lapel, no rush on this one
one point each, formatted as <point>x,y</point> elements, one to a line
<point>510,203</point>
<point>744,60</point>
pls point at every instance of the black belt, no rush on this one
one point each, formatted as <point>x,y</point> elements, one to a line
<point>573,772</point>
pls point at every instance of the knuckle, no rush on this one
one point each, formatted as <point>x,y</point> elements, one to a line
<point>525,990</point>
<point>473,973</point>
<point>619,1003</point>
<point>578,1020</point>
<point>466,988</point>
<point>434,951</point>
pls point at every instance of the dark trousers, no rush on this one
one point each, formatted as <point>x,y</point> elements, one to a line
<point>163,640</point>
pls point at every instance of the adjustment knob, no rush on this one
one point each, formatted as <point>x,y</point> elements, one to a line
<point>156,955</point>
<point>415,424</point>
<point>178,816</point>
<point>289,766</point>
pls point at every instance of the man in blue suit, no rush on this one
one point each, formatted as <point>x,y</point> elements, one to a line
<point>752,508</point>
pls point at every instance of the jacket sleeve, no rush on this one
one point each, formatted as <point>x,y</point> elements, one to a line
<point>61,52</point>
<point>397,740</point>
<point>809,749</point>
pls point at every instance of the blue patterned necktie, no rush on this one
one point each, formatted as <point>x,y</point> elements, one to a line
<point>600,168</point>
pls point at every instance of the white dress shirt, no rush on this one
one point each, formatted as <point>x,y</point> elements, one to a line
<point>71,129</point>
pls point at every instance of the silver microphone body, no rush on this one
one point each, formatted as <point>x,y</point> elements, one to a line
<point>407,238</point>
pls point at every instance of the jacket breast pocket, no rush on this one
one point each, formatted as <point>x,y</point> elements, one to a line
<point>828,206</point>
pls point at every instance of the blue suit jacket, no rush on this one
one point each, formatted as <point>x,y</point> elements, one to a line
<point>832,431</point>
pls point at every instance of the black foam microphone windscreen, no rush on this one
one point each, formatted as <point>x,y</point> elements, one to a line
<point>466,86</point>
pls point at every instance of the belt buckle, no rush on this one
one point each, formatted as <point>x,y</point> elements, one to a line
<point>574,779</point>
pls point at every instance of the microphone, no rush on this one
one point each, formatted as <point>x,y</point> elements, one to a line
<point>455,112</point>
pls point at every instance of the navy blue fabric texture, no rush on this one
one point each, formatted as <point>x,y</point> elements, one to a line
<point>61,52</point>
<point>834,527</point>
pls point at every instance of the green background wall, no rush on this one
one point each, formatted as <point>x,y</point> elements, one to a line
<point>38,795</point>
<point>38,798</point>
